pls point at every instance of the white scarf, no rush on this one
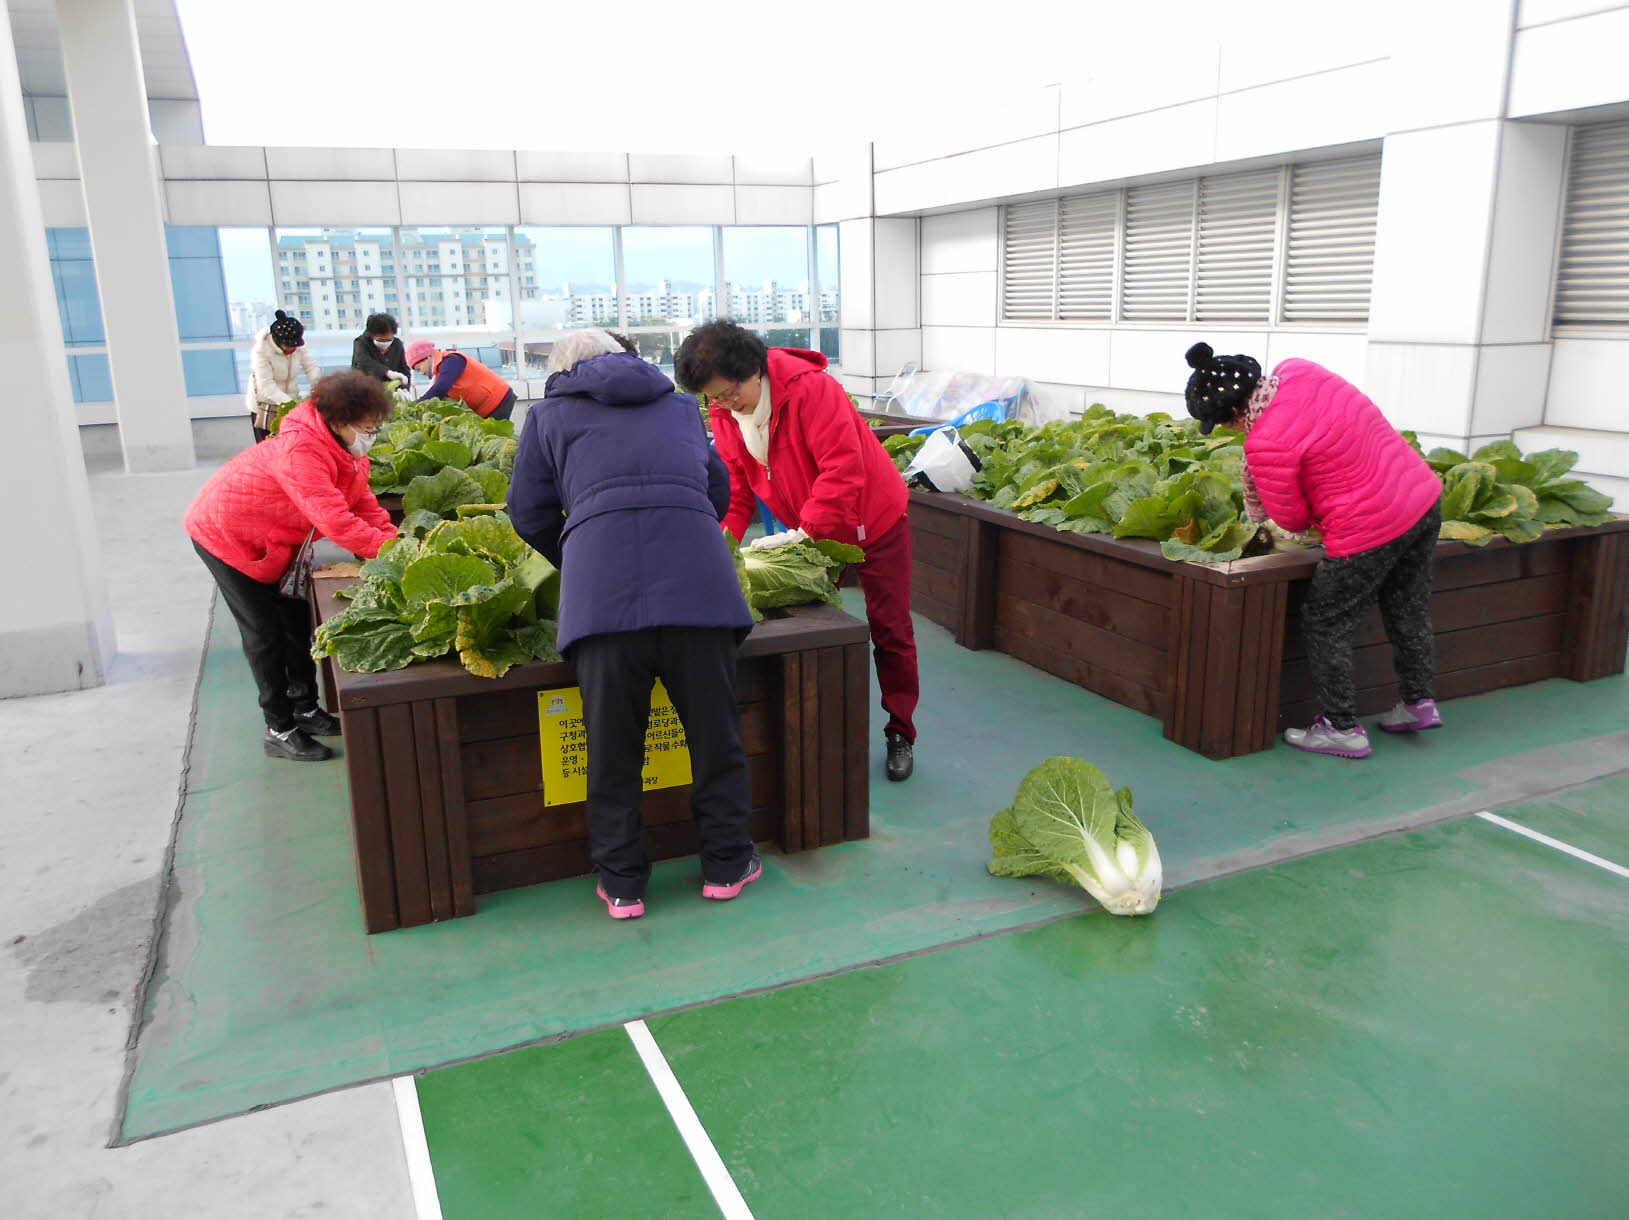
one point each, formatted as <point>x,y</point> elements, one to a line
<point>754,426</point>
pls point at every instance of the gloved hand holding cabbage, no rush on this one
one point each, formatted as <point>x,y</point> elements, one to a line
<point>770,541</point>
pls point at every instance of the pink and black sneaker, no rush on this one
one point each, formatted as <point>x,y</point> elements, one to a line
<point>621,908</point>
<point>1325,738</point>
<point>1412,717</point>
<point>723,893</point>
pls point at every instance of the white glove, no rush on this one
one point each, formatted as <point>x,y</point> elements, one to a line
<point>395,376</point>
<point>770,541</point>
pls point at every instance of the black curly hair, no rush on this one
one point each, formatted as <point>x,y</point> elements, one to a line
<point>381,324</point>
<point>719,349</point>
<point>350,397</point>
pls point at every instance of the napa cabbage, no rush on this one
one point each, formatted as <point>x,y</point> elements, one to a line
<point>1069,823</point>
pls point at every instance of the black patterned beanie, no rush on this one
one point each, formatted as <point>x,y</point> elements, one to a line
<point>1220,386</point>
<point>287,331</point>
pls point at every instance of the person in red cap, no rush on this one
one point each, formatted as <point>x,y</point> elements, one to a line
<point>455,375</point>
<point>790,437</point>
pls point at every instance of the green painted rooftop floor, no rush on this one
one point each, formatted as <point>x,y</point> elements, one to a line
<point>268,990</point>
<point>1427,1025</point>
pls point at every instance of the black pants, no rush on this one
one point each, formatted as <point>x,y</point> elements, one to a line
<point>504,410</point>
<point>260,433</point>
<point>1399,574</point>
<point>276,633</point>
<point>616,673</point>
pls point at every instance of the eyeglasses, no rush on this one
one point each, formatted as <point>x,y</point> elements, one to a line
<point>731,395</point>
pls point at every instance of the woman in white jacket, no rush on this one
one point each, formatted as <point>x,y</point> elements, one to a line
<point>274,364</point>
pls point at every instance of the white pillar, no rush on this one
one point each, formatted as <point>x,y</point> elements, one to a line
<point>56,632</point>
<point>1469,204</point>
<point>108,97</point>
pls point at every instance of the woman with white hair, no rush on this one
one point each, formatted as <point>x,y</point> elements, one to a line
<point>616,484</point>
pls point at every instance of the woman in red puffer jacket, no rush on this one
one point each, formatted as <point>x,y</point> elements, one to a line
<point>252,517</point>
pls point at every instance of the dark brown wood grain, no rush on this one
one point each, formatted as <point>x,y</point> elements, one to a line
<point>454,809</point>
<point>370,820</point>
<point>792,752</point>
<point>834,780</point>
<point>856,742</point>
<point>438,866</point>
<point>397,747</point>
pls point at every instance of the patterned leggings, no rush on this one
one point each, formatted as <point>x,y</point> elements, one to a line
<point>1399,574</point>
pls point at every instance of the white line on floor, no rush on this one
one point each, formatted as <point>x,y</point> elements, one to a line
<point>419,1171</point>
<point>701,1148</point>
<point>1555,843</point>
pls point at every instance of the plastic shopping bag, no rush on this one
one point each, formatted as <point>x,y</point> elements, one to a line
<point>944,463</point>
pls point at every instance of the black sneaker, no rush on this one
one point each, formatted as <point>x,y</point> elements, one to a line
<point>317,723</point>
<point>901,760</point>
<point>296,745</point>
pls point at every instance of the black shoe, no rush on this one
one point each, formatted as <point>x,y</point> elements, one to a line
<point>901,761</point>
<point>295,745</point>
<point>317,723</point>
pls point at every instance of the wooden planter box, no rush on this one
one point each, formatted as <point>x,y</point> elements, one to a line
<point>393,506</point>
<point>1215,651</point>
<point>898,425</point>
<point>446,771</point>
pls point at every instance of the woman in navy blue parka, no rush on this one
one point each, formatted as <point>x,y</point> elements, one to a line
<point>616,484</point>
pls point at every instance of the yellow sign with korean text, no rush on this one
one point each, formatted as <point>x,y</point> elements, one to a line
<point>565,745</point>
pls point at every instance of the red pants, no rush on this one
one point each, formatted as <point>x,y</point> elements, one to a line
<point>885,578</point>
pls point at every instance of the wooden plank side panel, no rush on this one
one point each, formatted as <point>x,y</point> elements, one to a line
<point>521,821</point>
<point>397,747</point>
<point>979,586</point>
<point>1219,713</point>
<point>1101,605</point>
<point>792,800</point>
<point>438,866</point>
<point>1477,680</point>
<point>814,776</point>
<point>1082,673</point>
<point>1088,568</point>
<point>1598,608</point>
<point>931,519</point>
<point>1141,663</point>
<point>856,742</point>
<point>561,861</point>
<point>454,810</point>
<point>370,820</point>
<point>834,781</point>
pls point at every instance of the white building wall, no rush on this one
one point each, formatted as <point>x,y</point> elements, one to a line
<point>1458,345</point>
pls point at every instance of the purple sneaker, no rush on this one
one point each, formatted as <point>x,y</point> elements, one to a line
<point>1325,738</point>
<point>1412,717</point>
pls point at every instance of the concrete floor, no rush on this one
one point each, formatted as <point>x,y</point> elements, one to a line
<point>90,785</point>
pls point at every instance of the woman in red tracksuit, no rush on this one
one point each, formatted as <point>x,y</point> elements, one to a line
<point>790,437</point>
<point>250,520</point>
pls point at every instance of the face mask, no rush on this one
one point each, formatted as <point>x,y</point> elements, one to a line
<point>385,346</point>
<point>363,442</point>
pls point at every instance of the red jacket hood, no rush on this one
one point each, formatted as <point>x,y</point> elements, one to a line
<point>304,420</point>
<point>787,363</point>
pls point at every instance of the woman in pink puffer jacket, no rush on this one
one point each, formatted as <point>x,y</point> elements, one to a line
<point>1319,453</point>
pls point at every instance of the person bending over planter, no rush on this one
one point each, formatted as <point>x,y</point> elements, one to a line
<point>616,485</point>
<point>249,522</point>
<point>379,353</point>
<point>275,362</point>
<point>1318,453</point>
<point>455,375</point>
<point>791,438</point>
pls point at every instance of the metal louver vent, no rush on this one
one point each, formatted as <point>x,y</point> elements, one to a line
<point>1238,222</point>
<point>1157,266</point>
<point>1086,257</point>
<point>1029,262</point>
<point>1329,256</point>
<point>1592,280</point>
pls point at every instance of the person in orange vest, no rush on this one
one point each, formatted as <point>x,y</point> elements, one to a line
<point>455,375</point>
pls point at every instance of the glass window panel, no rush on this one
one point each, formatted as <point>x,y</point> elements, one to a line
<point>212,371</point>
<point>90,378</point>
<point>828,315</point>
<point>198,283</point>
<point>73,274</point>
<point>458,277</point>
<point>786,336</point>
<point>335,277</point>
<point>766,274</point>
<point>251,283</point>
<point>669,275</point>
